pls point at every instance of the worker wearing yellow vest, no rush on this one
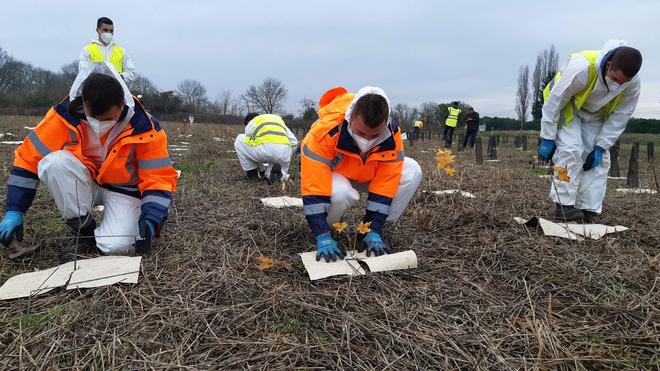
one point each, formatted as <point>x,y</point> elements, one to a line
<point>417,129</point>
<point>104,49</point>
<point>265,149</point>
<point>587,106</point>
<point>450,123</point>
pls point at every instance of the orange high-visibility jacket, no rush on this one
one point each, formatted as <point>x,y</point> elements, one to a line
<point>137,164</point>
<point>329,147</point>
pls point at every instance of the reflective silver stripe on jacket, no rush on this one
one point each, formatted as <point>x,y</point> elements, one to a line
<point>23,182</point>
<point>316,209</point>
<point>378,207</point>
<point>156,163</point>
<point>38,144</point>
<point>157,199</point>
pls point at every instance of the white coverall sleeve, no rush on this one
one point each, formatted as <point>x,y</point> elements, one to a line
<point>249,128</point>
<point>574,78</point>
<point>618,119</point>
<point>293,141</point>
<point>129,73</point>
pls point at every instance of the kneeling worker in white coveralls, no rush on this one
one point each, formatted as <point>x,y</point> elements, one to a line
<point>355,147</point>
<point>264,150</point>
<point>587,106</point>
<point>100,148</point>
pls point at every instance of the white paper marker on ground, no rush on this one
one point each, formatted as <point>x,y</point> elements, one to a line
<point>283,201</point>
<point>637,190</point>
<point>617,177</point>
<point>453,191</point>
<point>572,231</point>
<point>85,273</point>
<point>350,265</point>
<point>545,176</point>
<point>105,271</point>
<point>30,127</point>
<point>18,142</point>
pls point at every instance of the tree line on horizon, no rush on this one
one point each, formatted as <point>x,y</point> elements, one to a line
<point>29,90</point>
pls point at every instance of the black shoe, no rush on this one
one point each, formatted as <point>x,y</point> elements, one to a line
<point>84,232</point>
<point>252,174</point>
<point>569,214</point>
<point>275,174</point>
<point>590,216</point>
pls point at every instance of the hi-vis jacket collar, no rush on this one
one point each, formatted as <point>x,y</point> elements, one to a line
<point>346,142</point>
<point>141,122</point>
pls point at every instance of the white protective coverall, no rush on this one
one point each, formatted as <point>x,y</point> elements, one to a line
<point>346,193</point>
<point>85,63</point>
<point>588,129</point>
<point>265,155</point>
<point>75,191</point>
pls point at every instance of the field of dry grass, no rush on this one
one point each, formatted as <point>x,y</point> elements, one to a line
<point>488,293</point>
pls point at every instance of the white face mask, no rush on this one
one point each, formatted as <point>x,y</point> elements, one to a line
<point>364,144</point>
<point>100,127</point>
<point>611,84</point>
<point>106,37</point>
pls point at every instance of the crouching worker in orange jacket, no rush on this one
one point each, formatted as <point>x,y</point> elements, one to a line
<point>96,150</point>
<point>355,146</point>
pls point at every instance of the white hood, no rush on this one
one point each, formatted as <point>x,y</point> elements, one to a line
<point>361,93</point>
<point>104,68</point>
<point>609,46</point>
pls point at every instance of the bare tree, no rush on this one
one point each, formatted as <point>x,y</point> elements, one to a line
<point>523,95</point>
<point>429,113</point>
<point>309,110</point>
<point>547,64</point>
<point>192,93</point>
<point>268,97</point>
<point>143,86</point>
<point>226,104</point>
<point>404,115</point>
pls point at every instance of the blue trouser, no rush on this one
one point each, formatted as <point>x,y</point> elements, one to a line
<point>469,138</point>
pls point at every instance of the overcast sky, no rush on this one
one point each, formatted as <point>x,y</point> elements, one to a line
<point>416,50</point>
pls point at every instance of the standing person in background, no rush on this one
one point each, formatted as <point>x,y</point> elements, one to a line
<point>103,49</point>
<point>450,123</point>
<point>471,128</point>
<point>417,129</point>
<point>587,106</point>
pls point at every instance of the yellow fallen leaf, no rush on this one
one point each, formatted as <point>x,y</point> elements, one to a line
<point>269,263</point>
<point>562,173</point>
<point>444,158</point>
<point>450,171</point>
<point>340,227</point>
<point>364,228</point>
<point>265,263</point>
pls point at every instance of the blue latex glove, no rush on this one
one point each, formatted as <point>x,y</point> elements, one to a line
<point>546,149</point>
<point>327,247</point>
<point>11,224</point>
<point>373,242</point>
<point>593,159</point>
<point>147,235</point>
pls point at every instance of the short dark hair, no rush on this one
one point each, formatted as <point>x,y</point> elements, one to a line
<point>103,20</point>
<point>100,93</point>
<point>249,117</point>
<point>373,109</point>
<point>628,60</point>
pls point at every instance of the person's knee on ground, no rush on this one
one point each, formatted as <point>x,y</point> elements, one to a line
<point>342,198</point>
<point>411,177</point>
<point>69,182</point>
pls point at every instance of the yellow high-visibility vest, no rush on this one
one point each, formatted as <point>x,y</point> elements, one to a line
<point>452,119</point>
<point>577,101</point>
<point>116,56</point>
<point>268,129</point>
<point>419,124</point>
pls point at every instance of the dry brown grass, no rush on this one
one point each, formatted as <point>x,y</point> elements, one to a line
<point>488,293</point>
